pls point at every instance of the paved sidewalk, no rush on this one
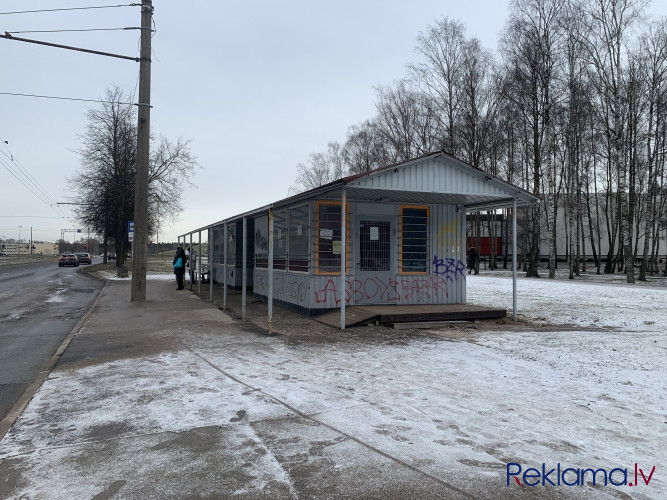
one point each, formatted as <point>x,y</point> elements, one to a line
<point>129,412</point>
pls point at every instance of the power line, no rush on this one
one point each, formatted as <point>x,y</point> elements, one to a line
<point>64,98</point>
<point>26,175</point>
<point>70,8</point>
<point>17,170</point>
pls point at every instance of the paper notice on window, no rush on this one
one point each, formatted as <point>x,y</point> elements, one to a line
<point>326,234</point>
<point>299,230</point>
<point>375,233</point>
<point>336,247</point>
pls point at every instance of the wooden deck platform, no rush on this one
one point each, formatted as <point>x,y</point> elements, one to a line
<point>386,314</point>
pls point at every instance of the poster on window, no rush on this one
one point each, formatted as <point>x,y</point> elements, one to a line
<point>336,247</point>
<point>375,233</point>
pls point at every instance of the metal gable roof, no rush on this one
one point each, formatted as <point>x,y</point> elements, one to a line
<point>434,178</point>
<point>437,178</point>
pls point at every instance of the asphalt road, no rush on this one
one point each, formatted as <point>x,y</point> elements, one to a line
<point>40,303</point>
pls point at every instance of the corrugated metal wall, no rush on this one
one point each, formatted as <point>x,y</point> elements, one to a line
<point>445,282</point>
<point>430,176</point>
<point>448,261</point>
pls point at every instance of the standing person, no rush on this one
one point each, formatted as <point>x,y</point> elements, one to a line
<point>473,257</point>
<point>179,266</point>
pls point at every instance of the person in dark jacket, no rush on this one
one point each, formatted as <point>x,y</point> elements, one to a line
<point>180,260</point>
<point>473,257</point>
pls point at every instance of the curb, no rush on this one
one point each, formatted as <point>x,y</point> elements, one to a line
<point>20,405</point>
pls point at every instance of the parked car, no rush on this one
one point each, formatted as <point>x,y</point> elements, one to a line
<point>68,259</point>
<point>84,258</point>
<point>111,256</point>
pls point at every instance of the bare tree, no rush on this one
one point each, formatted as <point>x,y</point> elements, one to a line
<point>653,47</point>
<point>322,168</point>
<point>610,22</point>
<point>529,45</point>
<point>439,76</point>
<point>405,121</point>
<point>105,184</point>
<point>363,150</point>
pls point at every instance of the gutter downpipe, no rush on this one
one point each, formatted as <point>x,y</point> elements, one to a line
<point>342,258</point>
<point>514,260</point>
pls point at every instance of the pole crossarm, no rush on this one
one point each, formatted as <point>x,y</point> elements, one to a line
<point>68,47</point>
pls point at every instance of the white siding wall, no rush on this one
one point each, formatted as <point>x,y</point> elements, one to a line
<point>444,284</point>
<point>431,176</point>
<point>448,251</point>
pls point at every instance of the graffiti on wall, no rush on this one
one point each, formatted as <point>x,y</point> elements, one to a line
<point>284,288</point>
<point>385,290</point>
<point>451,269</point>
<point>261,241</point>
<point>448,229</point>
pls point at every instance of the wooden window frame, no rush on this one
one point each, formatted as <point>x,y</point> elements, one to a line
<point>400,240</point>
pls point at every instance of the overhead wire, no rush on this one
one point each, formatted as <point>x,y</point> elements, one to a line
<point>10,163</point>
<point>65,98</point>
<point>22,175</point>
<point>70,8</point>
<point>68,30</point>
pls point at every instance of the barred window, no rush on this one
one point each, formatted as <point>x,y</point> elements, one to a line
<point>414,239</point>
<point>329,242</point>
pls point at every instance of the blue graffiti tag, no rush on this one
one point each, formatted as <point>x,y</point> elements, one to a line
<point>451,269</point>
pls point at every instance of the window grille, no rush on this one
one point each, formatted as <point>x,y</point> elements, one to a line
<point>374,246</point>
<point>414,240</point>
<point>328,237</point>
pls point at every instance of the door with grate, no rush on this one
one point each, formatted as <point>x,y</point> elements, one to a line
<point>374,277</point>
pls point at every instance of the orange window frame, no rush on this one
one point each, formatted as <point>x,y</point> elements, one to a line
<point>318,204</point>
<point>400,240</point>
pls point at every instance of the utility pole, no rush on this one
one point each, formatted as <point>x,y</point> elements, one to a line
<point>139,257</point>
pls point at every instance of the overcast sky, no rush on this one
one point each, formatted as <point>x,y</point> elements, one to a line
<point>256,85</point>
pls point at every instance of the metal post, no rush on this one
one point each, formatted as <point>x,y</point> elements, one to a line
<point>211,246</point>
<point>342,259</point>
<point>225,249</point>
<point>191,273</point>
<point>244,273</point>
<point>514,262</point>
<point>269,293</point>
<point>199,266</point>
<point>139,258</point>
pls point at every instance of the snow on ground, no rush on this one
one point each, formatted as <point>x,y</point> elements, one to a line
<point>112,276</point>
<point>588,304</point>
<point>456,405</point>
